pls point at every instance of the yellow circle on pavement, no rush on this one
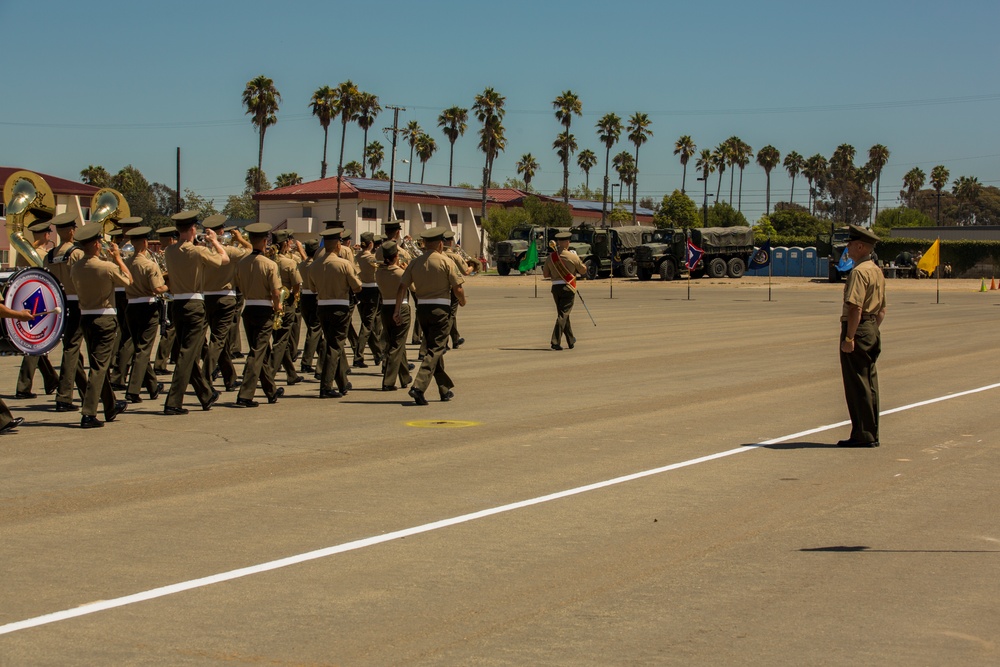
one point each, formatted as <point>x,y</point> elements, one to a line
<point>441,423</point>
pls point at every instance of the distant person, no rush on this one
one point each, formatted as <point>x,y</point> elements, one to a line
<point>562,266</point>
<point>860,339</point>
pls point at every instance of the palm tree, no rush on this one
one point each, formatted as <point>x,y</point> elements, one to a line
<point>793,164</point>
<point>720,158</point>
<point>527,166</point>
<point>489,109</point>
<point>353,169</point>
<point>685,148</point>
<point>426,147</point>
<point>609,129</point>
<point>346,105</point>
<point>742,155</point>
<point>411,133</point>
<point>566,105</point>
<point>815,170</point>
<point>939,178</point>
<point>878,156</point>
<point>586,161</point>
<point>768,158</point>
<point>284,180</point>
<point>322,105</point>
<point>967,190</point>
<point>261,99</point>
<point>374,156</point>
<point>368,111</point>
<point>842,160</point>
<point>705,163</point>
<point>913,181</point>
<point>638,133</point>
<point>453,121</point>
<point>256,178</point>
<point>623,164</point>
<point>733,144</point>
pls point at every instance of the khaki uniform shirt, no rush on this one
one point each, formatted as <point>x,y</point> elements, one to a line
<point>304,266</point>
<point>257,277</point>
<point>388,278</point>
<point>186,264</point>
<point>432,276</point>
<point>220,278</point>
<point>335,278</point>
<point>95,280</point>
<point>288,269</point>
<point>146,276</point>
<point>463,266</point>
<point>404,255</point>
<point>60,260</point>
<point>570,261</point>
<point>865,287</point>
<point>367,265</point>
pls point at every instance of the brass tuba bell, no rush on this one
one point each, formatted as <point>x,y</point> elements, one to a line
<point>28,199</point>
<point>107,207</point>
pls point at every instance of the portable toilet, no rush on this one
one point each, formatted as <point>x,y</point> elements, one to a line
<point>779,260</point>
<point>794,262</point>
<point>810,263</point>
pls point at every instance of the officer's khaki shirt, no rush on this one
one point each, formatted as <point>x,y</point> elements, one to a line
<point>335,278</point>
<point>367,264</point>
<point>288,269</point>
<point>95,280</point>
<point>186,264</point>
<point>432,276</point>
<point>304,271</point>
<point>146,276</point>
<point>220,278</point>
<point>257,277</point>
<point>865,287</point>
<point>388,278</point>
<point>570,261</point>
<point>60,260</point>
<point>463,266</point>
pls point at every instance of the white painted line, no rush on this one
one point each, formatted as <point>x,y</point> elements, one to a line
<point>163,591</point>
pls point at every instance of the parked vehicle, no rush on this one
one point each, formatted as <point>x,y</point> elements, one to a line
<point>511,253</point>
<point>607,250</point>
<point>727,250</point>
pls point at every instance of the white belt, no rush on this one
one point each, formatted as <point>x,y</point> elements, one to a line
<point>308,291</point>
<point>72,297</point>
<point>143,299</point>
<point>333,302</point>
<point>222,292</point>
<point>119,289</point>
<point>434,302</point>
<point>369,284</point>
<point>258,302</point>
<point>99,311</point>
<point>189,296</point>
<point>558,282</point>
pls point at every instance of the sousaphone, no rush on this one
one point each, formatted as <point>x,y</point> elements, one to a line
<point>107,207</point>
<point>28,199</point>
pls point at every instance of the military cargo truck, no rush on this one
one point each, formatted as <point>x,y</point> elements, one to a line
<point>594,245</point>
<point>510,253</point>
<point>727,250</point>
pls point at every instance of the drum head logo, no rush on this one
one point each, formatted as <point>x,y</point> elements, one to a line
<point>38,292</point>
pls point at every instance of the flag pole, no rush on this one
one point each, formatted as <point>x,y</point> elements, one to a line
<point>536,283</point>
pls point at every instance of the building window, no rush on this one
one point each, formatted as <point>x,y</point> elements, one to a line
<point>479,220</point>
<point>400,214</point>
<point>86,212</point>
<point>427,217</point>
<point>4,257</point>
<point>453,217</point>
<point>369,213</point>
<point>307,212</point>
<point>3,210</point>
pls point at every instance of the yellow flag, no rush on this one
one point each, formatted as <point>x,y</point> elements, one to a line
<point>931,258</point>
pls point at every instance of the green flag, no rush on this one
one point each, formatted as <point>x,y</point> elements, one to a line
<point>530,258</point>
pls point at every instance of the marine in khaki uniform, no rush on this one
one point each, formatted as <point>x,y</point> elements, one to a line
<point>166,349</point>
<point>185,264</point>
<point>368,302</point>
<point>95,280</point>
<point>860,339</point>
<point>121,360</point>
<point>336,282</point>
<point>433,278</point>
<point>58,262</point>
<point>258,280</point>
<point>347,252</point>
<point>142,314</point>
<point>282,344</point>
<point>31,362</point>
<point>220,306</point>
<point>310,316</point>
<point>464,269</point>
<point>388,276</point>
<point>562,266</point>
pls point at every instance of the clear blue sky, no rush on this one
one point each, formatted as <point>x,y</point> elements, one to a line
<point>113,83</point>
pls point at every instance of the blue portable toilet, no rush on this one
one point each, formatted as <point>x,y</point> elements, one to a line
<point>810,263</point>
<point>794,263</point>
<point>779,260</point>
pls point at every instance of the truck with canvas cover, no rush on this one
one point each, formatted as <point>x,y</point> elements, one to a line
<point>727,251</point>
<point>607,250</point>
<point>511,253</point>
<point>834,246</point>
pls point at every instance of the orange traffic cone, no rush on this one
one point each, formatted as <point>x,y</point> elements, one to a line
<point>993,284</point>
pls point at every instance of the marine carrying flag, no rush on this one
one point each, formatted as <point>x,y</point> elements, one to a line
<point>566,274</point>
<point>931,258</point>
<point>694,254</point>
<point>530,258</point>
<point>762,256</point>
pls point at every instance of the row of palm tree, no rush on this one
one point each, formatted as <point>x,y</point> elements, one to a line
<point>966,189</point>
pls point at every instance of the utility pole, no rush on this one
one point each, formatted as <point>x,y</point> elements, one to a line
<point>179,200</point>
<point>392,165</point>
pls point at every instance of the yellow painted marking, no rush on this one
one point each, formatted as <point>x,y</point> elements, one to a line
<point>441,423</point>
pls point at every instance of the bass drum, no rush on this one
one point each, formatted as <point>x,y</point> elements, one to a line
<point>37,291</point>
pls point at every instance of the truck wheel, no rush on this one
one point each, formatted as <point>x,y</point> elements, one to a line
<point>668,270</point>
<point>737,267</point>
<point>643,274</point>
<point>593,266</point>
<point>629,267</point>
<point>503,268</point>
<point>717,268</point>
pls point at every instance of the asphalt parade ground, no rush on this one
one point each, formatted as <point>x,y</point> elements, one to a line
<point>667,493</point>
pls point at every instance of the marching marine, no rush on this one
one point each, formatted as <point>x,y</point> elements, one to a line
<point>142,314</point>
<point>562,266</point>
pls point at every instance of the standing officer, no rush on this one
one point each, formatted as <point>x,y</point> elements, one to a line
<point>336,282</point>
<point>258,280</point>
<point>434,279</point>
<point>388,276</point>
<point>368,303</point>
<point>463,268</point>
<point>860,340</point>
<point>561,266</point>
<point>166,350</point>
<point>142,314</point>
<point>9,422</point>
<point>220,306</point>
<point>95,280</point>
<point>30,363</point>
<point>59,261</point>
<point>185,264</point>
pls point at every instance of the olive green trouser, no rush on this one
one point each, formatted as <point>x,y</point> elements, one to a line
<point>99,332</point>
<point>435,324</point>
<point>368,308</point>
<point>396,365</point>
<point>143,320</point>
<point>861,380</point>
<point>189,320</point>
<point>336,321</point>
<point>564,296</point>
<point>26,376</point>
<point>258,324</point>
<point>220,311</point>
<point>71,369</point>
